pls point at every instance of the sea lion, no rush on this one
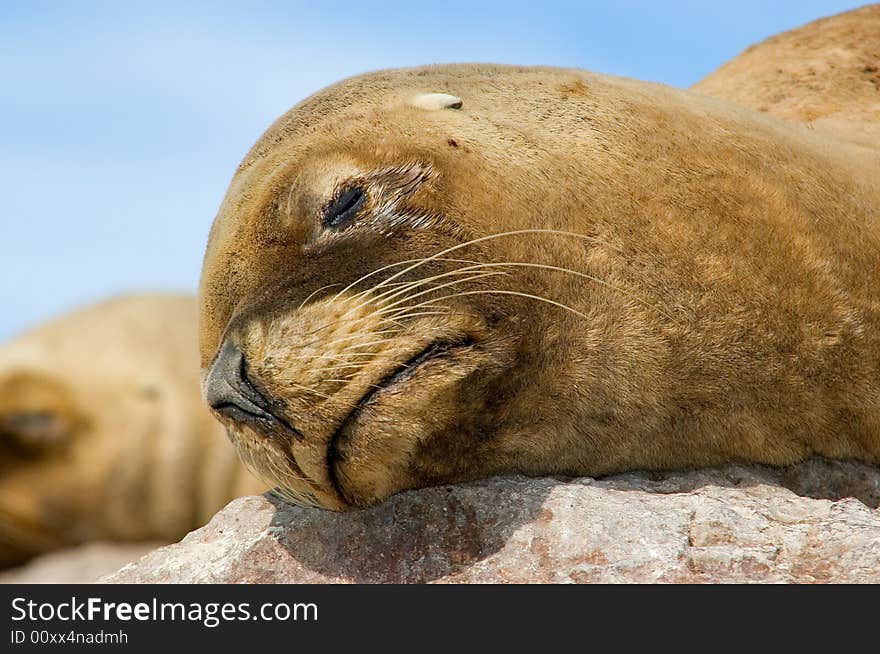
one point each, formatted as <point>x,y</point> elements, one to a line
<point>103,434</point>
<point>825,74</point>
<point>438,274</point>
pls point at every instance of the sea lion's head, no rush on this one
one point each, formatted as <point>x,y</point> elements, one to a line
<point>103,435</point>
<point>432,275</point>
<point>42,485</point>
<point>393,281</point>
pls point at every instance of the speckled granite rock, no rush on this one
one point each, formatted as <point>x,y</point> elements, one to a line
<point>736,524</point>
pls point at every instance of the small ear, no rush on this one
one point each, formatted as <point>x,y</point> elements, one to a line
<point>36,413</point>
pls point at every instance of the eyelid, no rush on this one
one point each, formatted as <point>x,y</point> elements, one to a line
<point>345,207</point>
<point>385,190</point>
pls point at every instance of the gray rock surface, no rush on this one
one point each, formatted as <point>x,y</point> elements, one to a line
<point>735,524</point>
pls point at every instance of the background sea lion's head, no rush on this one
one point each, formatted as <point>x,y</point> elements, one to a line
<point>103,435</point>
<point>392,282</point>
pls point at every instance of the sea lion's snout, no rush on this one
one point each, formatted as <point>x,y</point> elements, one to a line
<point>330,402</point>
<point>229,392</point>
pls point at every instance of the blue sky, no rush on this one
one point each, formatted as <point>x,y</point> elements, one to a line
<point>122,122</point>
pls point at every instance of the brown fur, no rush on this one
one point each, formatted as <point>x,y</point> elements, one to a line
<point>103,434</point>
<point>723,304</point>
<point>825,74</point>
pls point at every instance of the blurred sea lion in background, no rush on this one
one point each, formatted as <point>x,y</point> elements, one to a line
<point>103,434</point>
<point>825,74</point>
<point>430,275</point>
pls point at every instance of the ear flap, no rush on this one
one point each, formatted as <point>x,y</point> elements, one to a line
<point>36,413</point>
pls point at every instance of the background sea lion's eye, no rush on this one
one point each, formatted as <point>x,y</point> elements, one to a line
<point>32,432</point>
<point>344,208</point>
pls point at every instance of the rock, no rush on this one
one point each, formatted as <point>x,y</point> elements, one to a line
<point>77,565</point>
<point>736,524</point>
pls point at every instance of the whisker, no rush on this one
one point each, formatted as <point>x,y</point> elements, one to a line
<point>489,237</point>
<point>351,322</point>
<point>417,283</point>
<point>348,380</point>
<point>308,390</point>
<point>358,346</point>
<point>385,308</point>
<point>341,366</point>
<point>593,278</point>
<point>382,269</point>
<point>313,293</point>
<point>425,313</point>
<point>360,335</point>
<point>329,356</point>
<point>506,292</point>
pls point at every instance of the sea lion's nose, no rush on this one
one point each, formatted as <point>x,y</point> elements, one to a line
<point>228,390</point>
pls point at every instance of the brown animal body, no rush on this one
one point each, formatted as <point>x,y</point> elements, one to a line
<point>439,274</point>
<point>103,435</point>
<point>825,74</point>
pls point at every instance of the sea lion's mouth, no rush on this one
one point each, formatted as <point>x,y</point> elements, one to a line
<point>405,371</point>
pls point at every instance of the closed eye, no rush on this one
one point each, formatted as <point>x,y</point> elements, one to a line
<point>344,209</point>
